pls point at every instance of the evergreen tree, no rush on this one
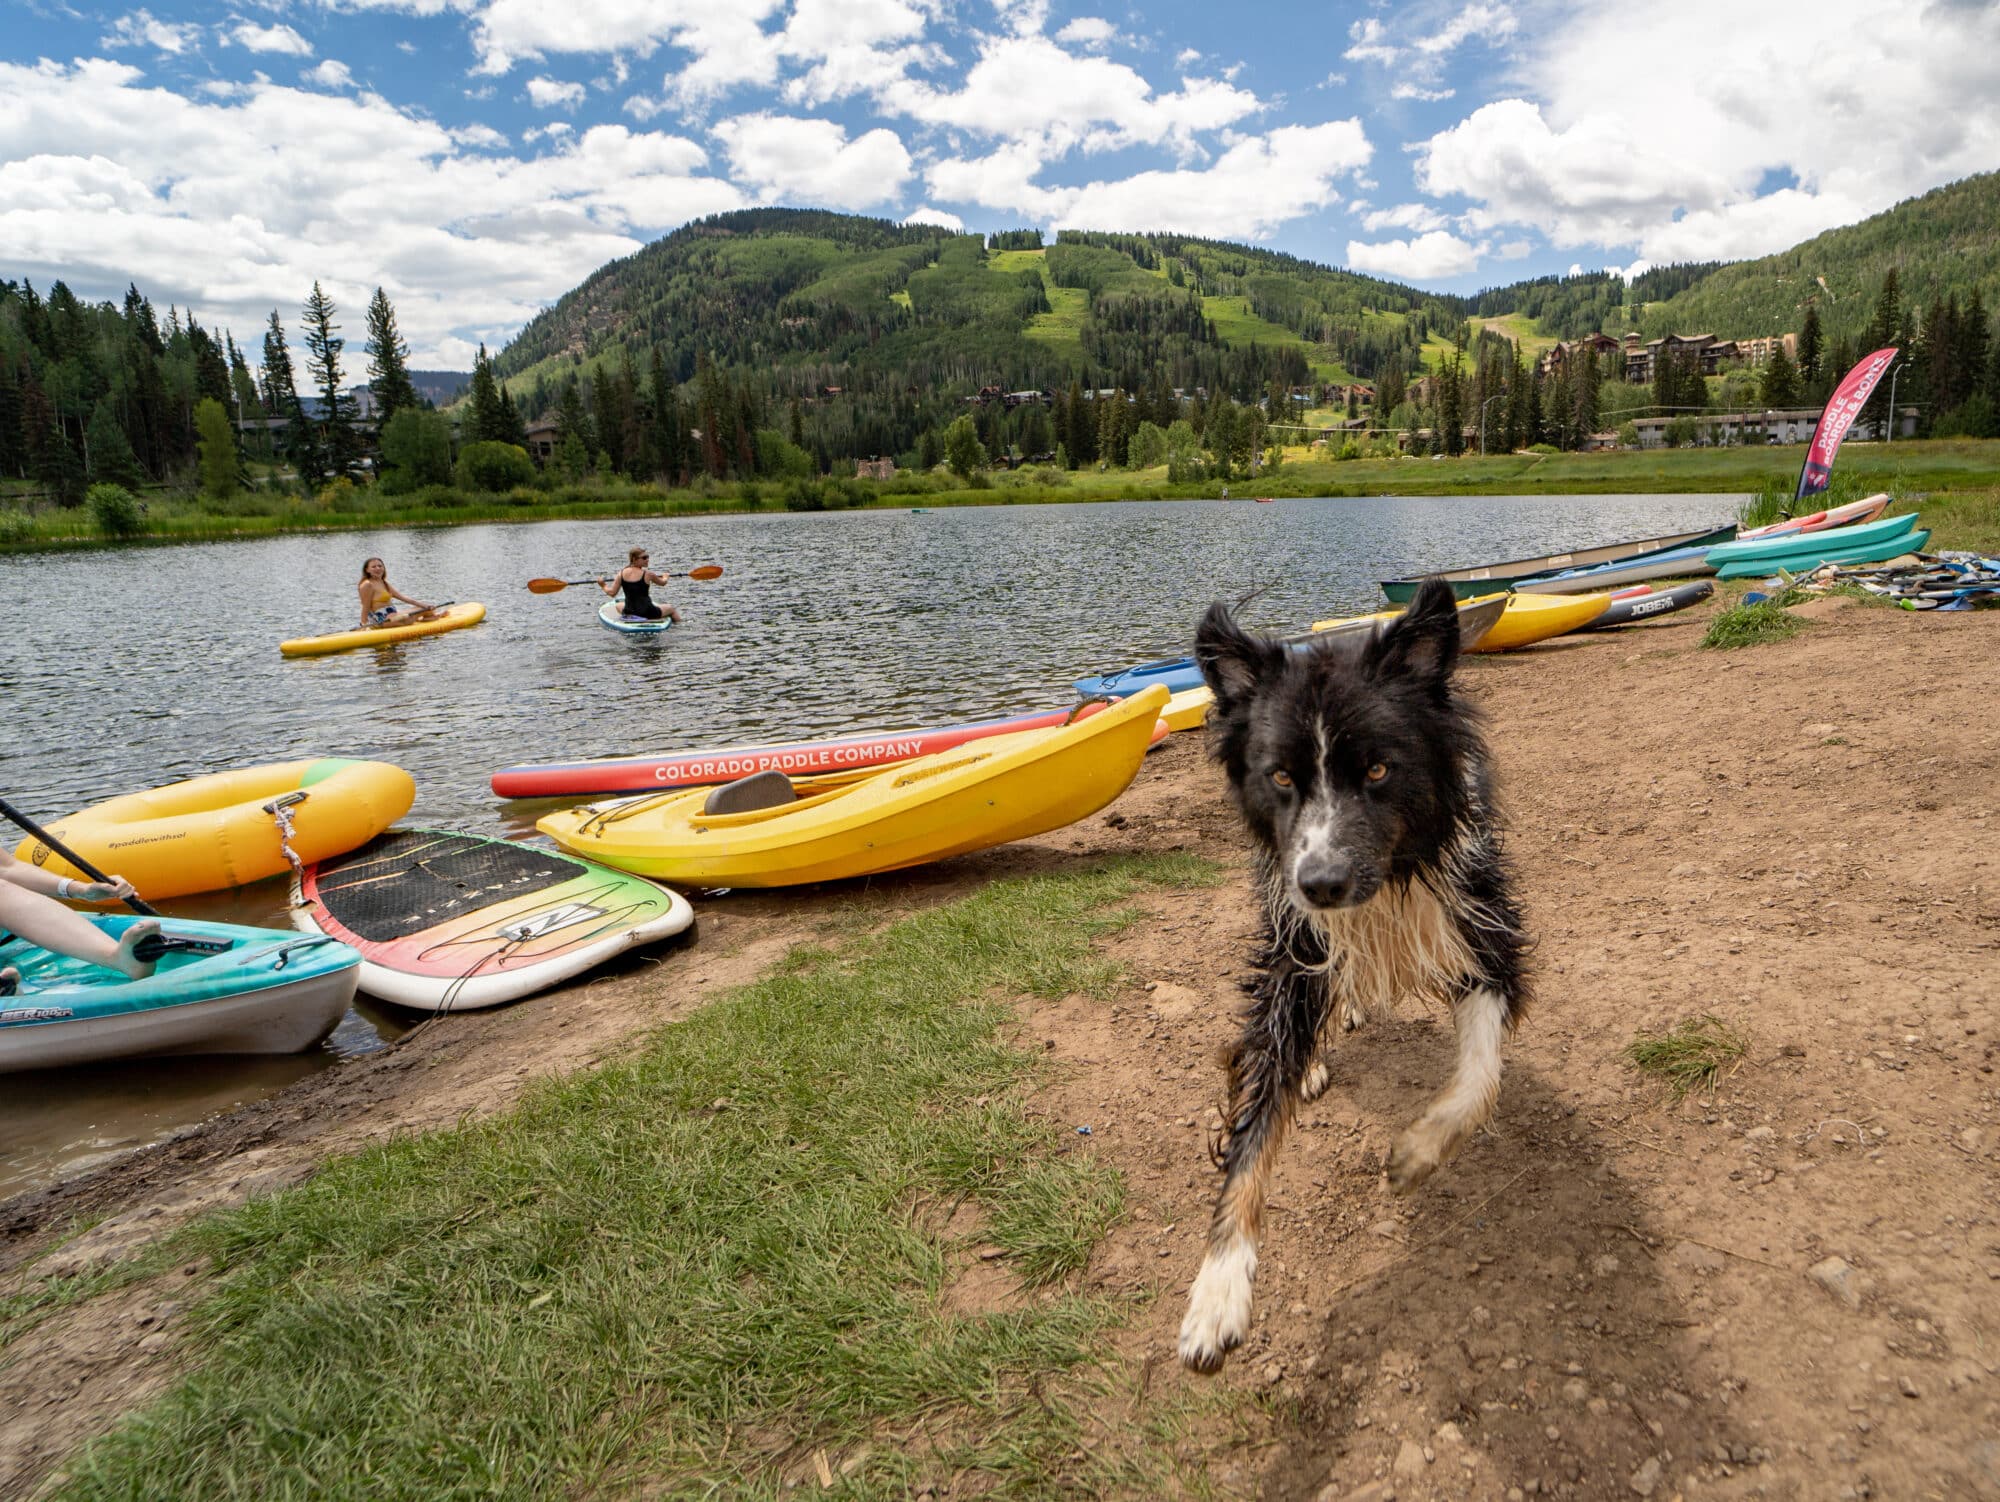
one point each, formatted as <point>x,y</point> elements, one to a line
<point>513,427</point>
<point>1218,435</point>
<point>1888,317</point>
<point>488,423</point>
<point>111,461</point>
<point>1811,348</point>
<point>388,361</point>
<point>218,449</point>
<point>1781,380</point>
<point>930,453</point>
<point>1451,409</point>
<point>281,399</point>
<point>607,421</point>
<point>13,454</point>
<point>572,421</point>
<point>339,445</point>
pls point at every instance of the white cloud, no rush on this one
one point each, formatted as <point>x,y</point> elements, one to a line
<point>1369,47</point>
<point>1186,57</point>
<point>551,93</point>
<point>812,161</point>
<point>1490,23</point>
<point>1515,250</point>
<point>142,29</point>
<point>1092,33</point>
<point>1407,90</point>
<point>110,180</point>
<point>276,37</point>
<point>331,73</point>
<point>1870,115</point>
<point>483,136</point>
<point>923,213</point>
<point>1430,257</point>
<point>1416,216</point>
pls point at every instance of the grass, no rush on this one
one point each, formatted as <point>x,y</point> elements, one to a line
<point>1751,625</point>
<point>688,1272</point>
<point>1692,1055</point>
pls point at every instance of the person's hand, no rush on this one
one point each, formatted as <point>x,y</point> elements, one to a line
<point>114,890</point>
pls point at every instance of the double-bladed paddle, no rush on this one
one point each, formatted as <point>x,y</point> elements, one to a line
<point>551,586</point>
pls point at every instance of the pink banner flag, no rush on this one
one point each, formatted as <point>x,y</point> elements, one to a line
<point>1849,397</point>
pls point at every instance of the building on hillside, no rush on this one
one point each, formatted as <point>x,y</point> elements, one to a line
<point>1759,351</point>
<point>543,436</point>
<point>1785,425</point>
<point>1642,361</point>
<point>874,468</point>
<point>1563,351</point>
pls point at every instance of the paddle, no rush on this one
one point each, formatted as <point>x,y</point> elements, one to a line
<point>552,586</point>
<point>138,905</point>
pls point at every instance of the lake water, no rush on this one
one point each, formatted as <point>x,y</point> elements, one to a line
<point>126,669</point>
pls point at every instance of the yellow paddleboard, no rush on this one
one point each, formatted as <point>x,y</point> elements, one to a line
<point>984,793</point>
<point>465,613</point>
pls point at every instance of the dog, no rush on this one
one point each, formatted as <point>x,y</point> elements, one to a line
<point>1365,784</point>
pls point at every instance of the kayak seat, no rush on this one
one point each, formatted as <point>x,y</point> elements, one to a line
<point>747,794</point>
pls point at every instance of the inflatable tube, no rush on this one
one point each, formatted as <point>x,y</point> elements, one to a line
<point>212,832</point>
<point>455,617</point>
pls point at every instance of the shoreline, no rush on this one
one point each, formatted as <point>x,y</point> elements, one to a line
<point>1692,1251</point>
<point>1914,466</point>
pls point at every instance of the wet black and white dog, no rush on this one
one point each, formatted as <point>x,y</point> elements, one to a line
<point>1364,782</point>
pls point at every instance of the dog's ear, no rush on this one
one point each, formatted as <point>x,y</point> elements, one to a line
<point>1423,641</point>
<point>1233,661</point>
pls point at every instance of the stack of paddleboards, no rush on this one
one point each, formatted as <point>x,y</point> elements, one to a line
<point>1797,552</point>
<point>451,922</point>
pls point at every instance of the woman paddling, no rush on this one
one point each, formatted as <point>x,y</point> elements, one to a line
<point>377,593</point>
<point>28,908</point>
<point>636,580</point>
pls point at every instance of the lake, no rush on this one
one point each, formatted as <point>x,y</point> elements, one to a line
<point>124,669</point>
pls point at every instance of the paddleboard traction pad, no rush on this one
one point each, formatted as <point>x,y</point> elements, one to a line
<point>406,882</point>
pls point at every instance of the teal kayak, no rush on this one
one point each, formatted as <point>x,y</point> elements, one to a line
<point>1776,550</point>
<point>216,988</point>
<point>1800,563</point>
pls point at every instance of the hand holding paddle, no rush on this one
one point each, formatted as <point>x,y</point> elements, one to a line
<point>37,832</point>
<point>553,586</point>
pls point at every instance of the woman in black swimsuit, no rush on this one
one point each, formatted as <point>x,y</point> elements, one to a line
<point>635,579</point>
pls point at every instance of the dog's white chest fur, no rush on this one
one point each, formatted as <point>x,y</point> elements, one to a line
<point>1400,942</point>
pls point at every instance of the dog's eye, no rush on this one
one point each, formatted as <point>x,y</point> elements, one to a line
<point>1282,778</point>
<point>1377,772</point>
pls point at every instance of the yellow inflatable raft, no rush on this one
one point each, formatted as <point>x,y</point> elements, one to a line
<point>455,617</point>
<point>986,792</point>
<point>212,832</point>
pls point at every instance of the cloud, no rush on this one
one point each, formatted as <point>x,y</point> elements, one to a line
<point>1186,57</point>
<point>277,37</point>
<point>923,213</point>
<point>1092,33</point>
<point>812,161</point>
<point>142,29</point>
<point>1431,257</point>
<point>1407,90</point>
<point>1369,47</point>
<point>1416,216</point>
<point>1490,23</point>
<point>1515,250</point>
<point>550,93</point>
<point>110,180</point>
<point>331,74</point>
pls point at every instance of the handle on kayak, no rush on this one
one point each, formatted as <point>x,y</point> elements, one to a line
<point>136,903</point>
<point>153,946</point>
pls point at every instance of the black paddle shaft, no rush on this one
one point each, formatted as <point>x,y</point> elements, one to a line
<point>137,904</point>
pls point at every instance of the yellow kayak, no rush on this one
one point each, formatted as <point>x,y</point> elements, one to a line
<point>455,617</point>
<point>1476,617</point>
<point>1188,709</point>
<point>1524,620</point>
<point>984,793</point>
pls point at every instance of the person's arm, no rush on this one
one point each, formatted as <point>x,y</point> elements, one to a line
<point>609,586</point>
<point>397,594</point>
<point>362,590</point>
<point>35,879</point>
<point>657,578</point>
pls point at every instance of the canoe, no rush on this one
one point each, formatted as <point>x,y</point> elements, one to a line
<point>680,769</point>
<point>1003,788</point>
<point>449,922</point>
<point>1527,619</point>
<point>1179,674</point>
<point>1775,550</point>
<point>1675,563</point>
<point>455,618</point>
<point>1485,578</point>
<point>1654,603</point>
<point>1800,563</point>
<point>1839,516</point>
<point>214,832</point>
<point>612,614</point>
<point>218,988</point>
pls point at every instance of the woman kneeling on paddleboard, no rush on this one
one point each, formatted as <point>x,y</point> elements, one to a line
<point>377,592</point>
<point>636,580</point>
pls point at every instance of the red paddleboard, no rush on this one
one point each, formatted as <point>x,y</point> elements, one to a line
<point>681,769</point>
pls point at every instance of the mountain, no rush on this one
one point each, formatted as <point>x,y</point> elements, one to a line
<point>440,387</point>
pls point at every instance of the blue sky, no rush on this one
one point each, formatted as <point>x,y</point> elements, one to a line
<point>477,158</point>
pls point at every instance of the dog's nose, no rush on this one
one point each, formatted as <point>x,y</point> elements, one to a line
<point>1326,883</point>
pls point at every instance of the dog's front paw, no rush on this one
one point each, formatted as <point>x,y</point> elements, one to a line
<point>1352,1014</point>
<point>1218,1315</point>
<point>1313,1086</point>
<point>1414,1158</point>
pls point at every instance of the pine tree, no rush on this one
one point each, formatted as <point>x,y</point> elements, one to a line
<point>513,427</point>
<point>111,461</point>
<point>388,361</point>
<point>13,456</point>
<point>1811,348</point>
<point>488,423</point>
<point>1781,380</point>
<point>573,421</point>
<point>1888,318</point>
<point>339,445</point>
<point>218,449</point>
<point>281,399</point>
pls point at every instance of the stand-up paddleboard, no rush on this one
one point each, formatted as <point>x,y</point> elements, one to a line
<point>450,922</point>
<point>612,614</point>
<point>453,618</point>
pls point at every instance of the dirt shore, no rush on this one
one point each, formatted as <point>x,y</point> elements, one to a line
<point>1790,1289</point>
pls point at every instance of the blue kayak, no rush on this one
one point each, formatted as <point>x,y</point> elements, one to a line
<point>612,614</point>
<point>1780,550</point>
<point>216,988</point>
<point>1805,562</point>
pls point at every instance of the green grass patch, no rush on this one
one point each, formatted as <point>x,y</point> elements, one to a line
<point>1692,1055</point>
<point>685,1272</point>
<point>1750,625</point>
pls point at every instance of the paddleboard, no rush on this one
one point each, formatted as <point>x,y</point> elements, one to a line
<point>455,617</point>
<point>451,922</point>
<point>612,614</point>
